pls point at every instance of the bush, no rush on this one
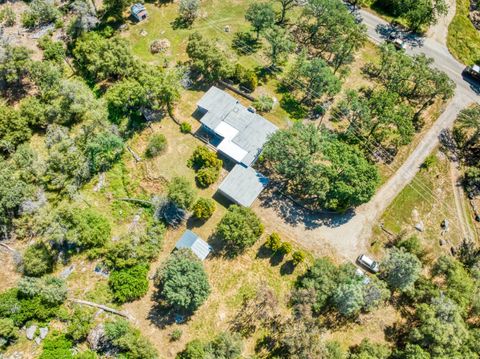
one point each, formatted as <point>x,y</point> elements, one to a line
<point>182,281</point>
<point>298,257</point>
<point>185,127</point>
<point>156,145</point>
<point>176,335</point>
<point>40,12</point>
<point>245,78</point>
<point>57,346</point>
<point>207,176</point>
<point>7,16</point>
<point>273,242</point>
<point>225,346</point>
<point>8,332</point>
<point>429,162</point>
<point>52,50</point>
<point>204,208</point>
<point>181,193</point>
<point>193,350</point>
<point>38,259</point>
<point>240,228</point>
<point>129,284</point>
<point>411,245</point>
<point>263,104</point>
<point>81,322</point>
<point>285,248</point>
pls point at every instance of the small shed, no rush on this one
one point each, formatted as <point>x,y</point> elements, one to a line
<point>193,242</point>
<point>243,185</point>
<point>138,11</point>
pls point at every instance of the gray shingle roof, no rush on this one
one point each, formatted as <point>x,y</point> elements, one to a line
<point>253,129</point>
<point>192,241</point>
<point>243,185</point>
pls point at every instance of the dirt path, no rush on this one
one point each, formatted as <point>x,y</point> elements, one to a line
<point>460,201</point>
<point>439,31</point>
<point>348,235</point>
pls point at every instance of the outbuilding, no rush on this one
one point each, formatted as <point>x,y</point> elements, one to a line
<point>196,244</point>
<point>138,11</point>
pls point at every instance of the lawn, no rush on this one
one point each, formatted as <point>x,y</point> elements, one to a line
<point>463,38</point>
<point>428,198</point>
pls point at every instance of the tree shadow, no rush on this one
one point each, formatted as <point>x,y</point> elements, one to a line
<point>263,252</point>
<point>181,23</point>
<point>162,315</point>
<point>245,43</point>
<point>295,214</point>
<point>277,258</point>
<point>287,268</point>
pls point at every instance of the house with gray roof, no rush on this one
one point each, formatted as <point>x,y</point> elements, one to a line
<point>193,242</point>
<point>240,132</point>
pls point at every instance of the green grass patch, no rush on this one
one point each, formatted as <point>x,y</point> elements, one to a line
<point>463,38</point>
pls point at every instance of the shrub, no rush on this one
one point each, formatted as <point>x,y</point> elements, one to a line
<point>81,322</point>
<point>156,145</point>
<point>8,332</point>
<point>40,12</point>
<point>57,346</point>
<point>52,50</point>
<point>204,208</point>
<point>245,77</point>
<point>207,176</point>
<point>240,228</point>
<point>298,257</point>
<point>182,281</point>
<point>193,350</point>
<point>429,162</point>
<point>176,335</point>
<point>203,157</point>
<point>185,127</point>
<point>285,248</point>
<point>225,346</point>
<point>273,242</point>
<point>38,259</point>
<point>129,284</point>
<point>263,104</point>
<point>128,341</point>
<point>181,193</point>
<point>411,245</point>
<point>7,15</point>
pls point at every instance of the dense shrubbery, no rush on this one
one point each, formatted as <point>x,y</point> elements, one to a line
<point>204,208</point>
<point>129,284</point>
<point>40,12</point>
<point>207,165</point>
<point>156,145</point>
<point>38,259</point>
<point>181,193</point>
<point>240,228</point>
<point>182,282</point>
<point>223,346</point>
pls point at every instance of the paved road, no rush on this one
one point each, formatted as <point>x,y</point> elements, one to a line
<point>350,236</point>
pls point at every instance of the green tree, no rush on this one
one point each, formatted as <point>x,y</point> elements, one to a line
<point>207,59</point>
<point>13,128</point>
<point>286,5</point>
<point>189,10</point>
<point>193,350</point>
<point>52,50</point>
<point>14,66</point>
<point>182,281</point>
<point>348,298</point>
<point>280,44</point>
<point>57,346</point>
<point>129,284</point>
<point>40,12</point>
<point>240,228</point>
<point>116,8</point>
<point>368,350</point>
<point>103,150</point>
<point>181,193</point>
<point>320,169</point>
<point>38,259</point>
<point>401,269</point>
<point>261,16</point>
<point>311,80</point>
<point>225,346</point>
<point>204,208</point>
<point>100,58</point>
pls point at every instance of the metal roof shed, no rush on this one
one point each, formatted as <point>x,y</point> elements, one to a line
<point>193,242</point>
<point>243,185</point>
<point>138,11</point>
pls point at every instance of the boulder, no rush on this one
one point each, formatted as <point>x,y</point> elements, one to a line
<point>43,332</point>
<point>30,332</point>
<point>96,337</point>
<point>420,226</point>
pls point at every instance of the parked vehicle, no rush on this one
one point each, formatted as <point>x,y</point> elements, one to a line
<point>368,263</point>
<point>397,42</point>
<point>472,71</point>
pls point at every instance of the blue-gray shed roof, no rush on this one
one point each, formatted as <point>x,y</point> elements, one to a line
<point>192,241</point>
<point>137,8</point>
<point>243,185</point>
<point>253,129</point>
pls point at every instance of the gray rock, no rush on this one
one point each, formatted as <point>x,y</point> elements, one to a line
<point>420,226</point>
<point>43,332</point>
<point>38,340</point>
<point>30,332</point>
<point>442,242</point>
<point>96,337</point>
